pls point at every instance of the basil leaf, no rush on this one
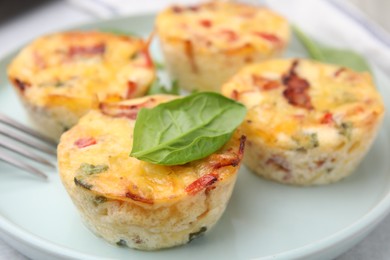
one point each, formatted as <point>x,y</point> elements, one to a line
<point>158,88</point>
<point>342,57</point>
<point>186,129</point>
<point>175,89</point>
<point>118,32</point>
<point>158,65</point>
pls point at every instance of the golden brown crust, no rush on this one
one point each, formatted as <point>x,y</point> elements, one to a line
<point>144,205</point>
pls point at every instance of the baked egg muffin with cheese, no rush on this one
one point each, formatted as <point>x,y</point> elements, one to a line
<point>138,204</point>
<point>205,44</point>
<point>59,77</point>
<point>307,122</point>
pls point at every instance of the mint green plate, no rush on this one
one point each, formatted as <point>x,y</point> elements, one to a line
<point>263,219</point>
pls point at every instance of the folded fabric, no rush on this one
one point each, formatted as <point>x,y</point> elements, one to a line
<point>332,22</point>
<point>338,24</point>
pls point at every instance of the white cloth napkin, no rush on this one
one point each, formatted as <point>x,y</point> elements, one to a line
<point>329,21</point>
<point>337,22</point>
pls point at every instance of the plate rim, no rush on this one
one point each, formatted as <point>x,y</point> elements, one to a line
<point>369,220</point>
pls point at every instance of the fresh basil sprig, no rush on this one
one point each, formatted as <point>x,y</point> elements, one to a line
<point>158,88</point>
<point>318,51</point>
<point>118,32</point>
<point>158,65</point>
<point>186,129</point>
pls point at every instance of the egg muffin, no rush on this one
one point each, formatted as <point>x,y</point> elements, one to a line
<point>307,122</point>
<point>59,77</point>
<point>205,44</point>
<point>134,203</point>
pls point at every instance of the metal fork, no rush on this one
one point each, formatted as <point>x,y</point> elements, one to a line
<point>24,136</point>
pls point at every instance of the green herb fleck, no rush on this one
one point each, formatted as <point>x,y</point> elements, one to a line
<point>82,183</point>
<point>59,84</point>
<point>194,235</point>
<point>158,88</point>
<point>65,128</point>
<point>158,65</point>
<point>89,169</point>
<point>121,242</point>
<point>175,89</point>
<point>329,170</point>
<point>306,141</point>
<point>345,129</point>
<point>100,199</point>
<point>56,84</point>
<point>320,52</point>
<point>84,171</point>
<point>185,129</point>
<point>314,140</point>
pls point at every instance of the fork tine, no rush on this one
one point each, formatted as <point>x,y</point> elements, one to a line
<point>9,121</point>
<point>23,166</point>
<point>25,153</point>
<point>26,141</point>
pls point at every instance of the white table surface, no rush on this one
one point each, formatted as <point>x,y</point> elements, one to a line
<point>61,14</point>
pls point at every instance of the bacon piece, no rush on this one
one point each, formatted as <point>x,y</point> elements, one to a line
<point>242,146</point>
<point>97,49</point>
<point>84,142</point>
<point>279,162</point>
<point>177,9</point>
<point>297,89</point>
<point>146,53</point>
<point>242,49</point>
<point>189,51</point>
<point>229,34</point>
<point>319,163</point>
<point>201,183</point>
<point>339,71</point>
<point>271,85</point>
<point>131,88</point>
<point>208,43</point>
<point>248,13</point>
<point>194,8</point>
<point>38,60</point>
<point>248,59</point>
<point>327,118</point>
<point>212,5</point>
<point>269,37</point>
<point>264,84</point>
<point>298,117</point>
<point>206,181</point>
<point>138,198</point>
<point>231,160</point>
<point>205,23</point>
<point>180,9</point>
<point>223,161</point>
<point>235,95</point>
<point>21,85</point>
<point>120,110</point>
<point>148,59</point>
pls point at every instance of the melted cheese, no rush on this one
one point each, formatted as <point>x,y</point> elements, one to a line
<point>347,98</point>
<point>224,26</point>
<point>78,69</point>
